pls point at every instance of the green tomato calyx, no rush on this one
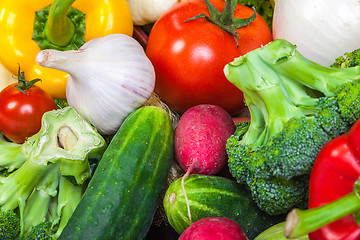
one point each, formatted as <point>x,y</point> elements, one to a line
<point>226,20</point>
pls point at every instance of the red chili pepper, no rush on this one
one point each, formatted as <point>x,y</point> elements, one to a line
<point>334,185</point>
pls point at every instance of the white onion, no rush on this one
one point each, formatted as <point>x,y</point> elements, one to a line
<point>148,11</point>
<point>109,78</point>
<point>322,29</point>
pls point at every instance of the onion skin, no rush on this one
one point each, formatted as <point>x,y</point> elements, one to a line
<point>322,30</point>
<point>148,11</point>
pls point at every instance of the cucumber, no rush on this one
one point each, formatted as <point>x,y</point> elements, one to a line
<point>124,192</point>
<point>214,196</point>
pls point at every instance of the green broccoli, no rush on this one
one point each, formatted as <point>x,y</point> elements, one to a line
<point>42,231</point>
<point>350,59</point>
<point>11,156</point>
<point>296,106</point>
<point>9,225</point>
<point>61,103</point>
<point>50,171</point>
<point>264,7</point>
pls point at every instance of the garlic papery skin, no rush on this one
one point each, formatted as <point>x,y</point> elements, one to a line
<point>109,77</point>
<point>322,30</point>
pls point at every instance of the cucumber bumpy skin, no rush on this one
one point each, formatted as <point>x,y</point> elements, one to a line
<point>123,195</point>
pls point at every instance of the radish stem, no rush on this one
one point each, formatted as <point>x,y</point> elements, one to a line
<point>183,188</point>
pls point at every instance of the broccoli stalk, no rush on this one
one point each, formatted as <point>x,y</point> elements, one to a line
<point>51,169</point>
<point>38,203</point>
<point>296,106</point>
<point>65,209</point>
<point>11,155</point>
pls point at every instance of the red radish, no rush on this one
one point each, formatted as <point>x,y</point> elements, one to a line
<point>214,228</point>
<point>200,139</point>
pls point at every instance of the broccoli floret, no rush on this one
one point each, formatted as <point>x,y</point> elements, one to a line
<point>42,231</point>
<point>289,152</point>
<point>350,59</point>
<point>9,225</point>
<point>61,103</point>
<point>241,167</point>
<point>52,170</point>
<point>296,106</point>
<point>288,192</point>
<point>264,7</point>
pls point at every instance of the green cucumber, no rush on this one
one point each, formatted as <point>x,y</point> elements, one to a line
<point>214,196</point>
<point>124,192</point>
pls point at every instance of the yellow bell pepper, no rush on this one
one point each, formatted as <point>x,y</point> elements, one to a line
<point>102,17</point>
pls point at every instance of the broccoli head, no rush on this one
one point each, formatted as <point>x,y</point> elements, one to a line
<point>278,190</point>
<point>49,172</point>
<point>9,225</point>
<point>42,231</point>
<point>296,106</point>
<point>61,103</point>
<point>350,59</point>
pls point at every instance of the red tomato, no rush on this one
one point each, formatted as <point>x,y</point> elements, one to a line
<point>189,57</point>
<point>20,114</point>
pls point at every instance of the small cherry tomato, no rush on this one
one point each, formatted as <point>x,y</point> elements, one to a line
<point>22,105</point>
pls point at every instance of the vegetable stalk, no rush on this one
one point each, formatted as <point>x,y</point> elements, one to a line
<point>301,222</point>
<point>59,29</point>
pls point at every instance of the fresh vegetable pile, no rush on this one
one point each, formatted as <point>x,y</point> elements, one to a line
<point>181,119</point>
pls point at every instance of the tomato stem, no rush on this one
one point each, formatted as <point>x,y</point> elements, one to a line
<point>226,16</point>
<point>23,84</point>
<point>226,20</point>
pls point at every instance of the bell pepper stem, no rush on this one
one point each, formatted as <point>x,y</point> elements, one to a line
<point>301,222</point>
<point>59,29</point>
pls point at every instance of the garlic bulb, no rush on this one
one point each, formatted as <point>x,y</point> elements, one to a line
<point>109,78</point>
<point>322,30</point>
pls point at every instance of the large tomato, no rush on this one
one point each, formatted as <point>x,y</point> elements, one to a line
<point>20,113</point>
<point>189,57</point>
